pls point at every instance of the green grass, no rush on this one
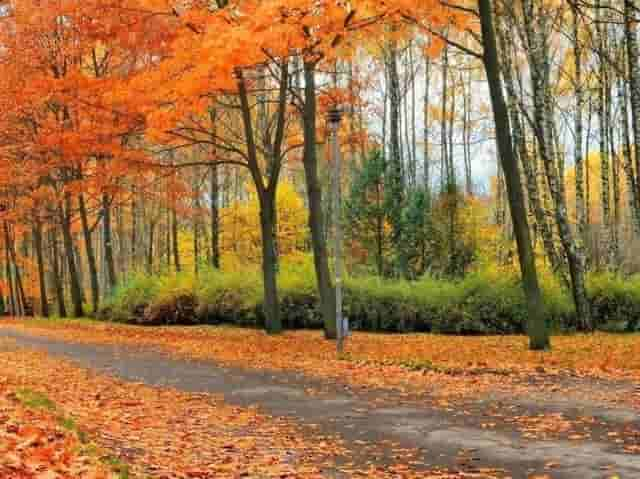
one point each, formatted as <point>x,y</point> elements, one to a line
<point>68,423</point>
<point>117,466</point>
<point>89,449</point>
<point>35,400</point>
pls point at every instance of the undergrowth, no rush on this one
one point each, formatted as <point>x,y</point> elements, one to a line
<point>484,302</point>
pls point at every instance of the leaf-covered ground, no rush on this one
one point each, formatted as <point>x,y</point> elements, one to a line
<point>161,432</point>
<point>561,404</point>
<point>38,441</point>
<point>63,421</point>
<point>447,365</point>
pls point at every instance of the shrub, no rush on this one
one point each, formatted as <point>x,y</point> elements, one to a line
<point>229,297</point>
<point>484,302</point>
<point>130,299</point>
<point>377,305</point>
<point>615,301</point>
<point>299,295</point>
<point>179,309</point>
<point>396,305</point>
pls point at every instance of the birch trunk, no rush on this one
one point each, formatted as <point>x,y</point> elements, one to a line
<point>633,60</point>
<point>538,54</point>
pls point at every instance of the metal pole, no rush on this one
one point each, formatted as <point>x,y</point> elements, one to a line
<point>335,126</point>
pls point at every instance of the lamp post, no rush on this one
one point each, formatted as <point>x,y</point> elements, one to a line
<point>333,118</point>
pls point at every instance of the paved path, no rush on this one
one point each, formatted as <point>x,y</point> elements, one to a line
<point>376,425</point>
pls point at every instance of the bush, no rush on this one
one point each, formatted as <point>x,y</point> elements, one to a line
<point>378,305</point>
<point>229,297</point>
<point>615,301</point>
<point>129,300</point>
<point>384,305</point>
<point>299,296</point>
<point>180,309</point>
<point>482,303</point>
<point>486,302</point>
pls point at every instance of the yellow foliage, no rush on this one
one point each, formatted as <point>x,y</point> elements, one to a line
<point>593,183</point>
<point>241,242</point>
<point>477,230</point>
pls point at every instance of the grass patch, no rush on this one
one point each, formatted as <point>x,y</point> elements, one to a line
<point>117,466</point>
<point>70,424</point>
<point>89,449</point>
<point>67,423</point>
<point>34,399</point>
<point>419,365</point>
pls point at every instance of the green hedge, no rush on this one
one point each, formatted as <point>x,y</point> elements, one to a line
<point>482,303</point>
<point>615,302</point>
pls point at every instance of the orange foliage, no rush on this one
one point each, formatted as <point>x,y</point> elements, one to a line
<point>88,87</point>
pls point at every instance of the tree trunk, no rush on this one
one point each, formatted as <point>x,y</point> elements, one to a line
<point>120,256</point>
<point>379,230</point>
<point>134,231</point>
<point>452,187</point>
<point>150,251</point>
<point>632,179</point>
<point>427,166</point>
<point>74,280</point>
<point>215,217</point>
<point>314,193</point>
<point>37,237</point>
<point>466,131</point>
<point>273,322</point>
<point>196,223</point>
<point>91,257</point>
<point>174,240</point>
<point>533,193</point>
<point>633,59</point>
<point>603,118</point>
<point>615,180</point>
<point>412,79</point>
<point>108,242</point>
<point>536,324</point>
<point>21,299</point>
<point>13,310</point>
<point>266,195</point>
<point>581,212</point>
<point>395,179</point>
<point>56,273</point>
<point>543,120</point>
<point>443,115</point>
<point>166,234</point>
